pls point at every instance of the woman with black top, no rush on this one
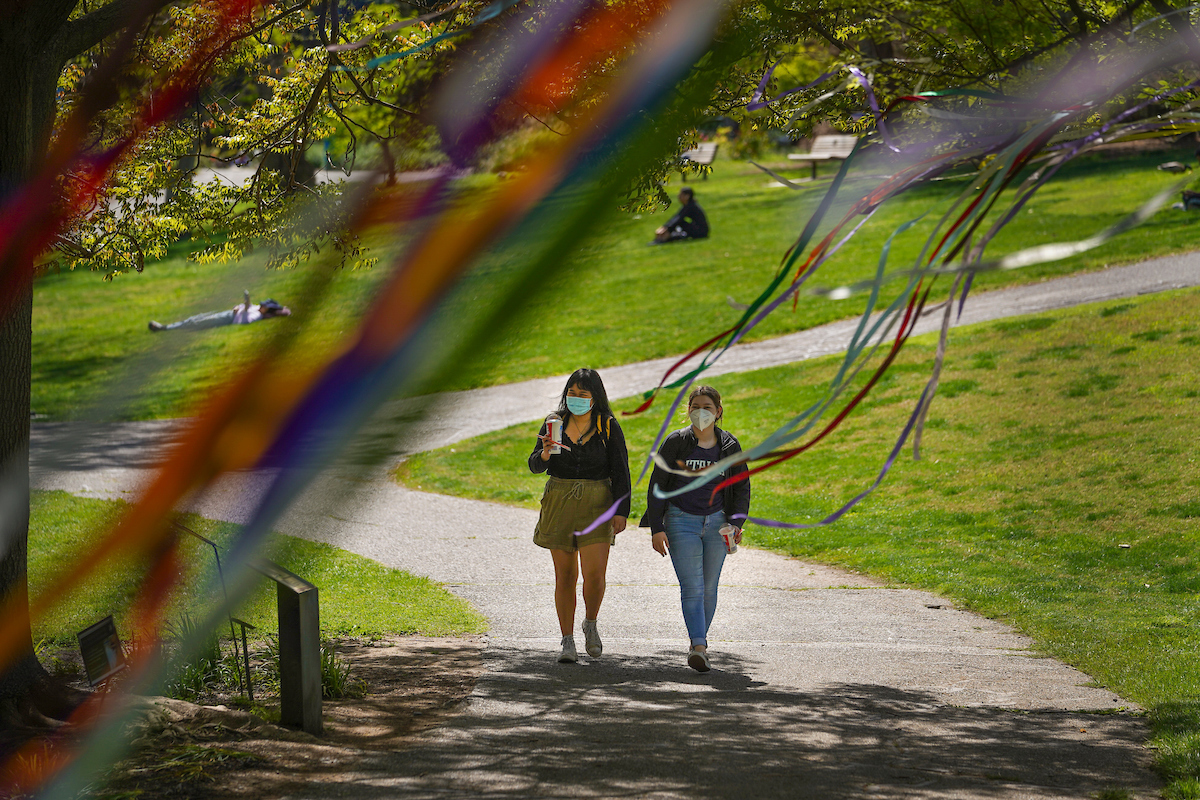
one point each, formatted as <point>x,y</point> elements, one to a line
<point>688,223</point>
<point>688,526</point>
<point>585,479</point>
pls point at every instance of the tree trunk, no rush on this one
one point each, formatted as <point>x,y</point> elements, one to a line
<point>16,338</point>
<point>27,96</point>
<point>15,343</point>
<point>37,37</point>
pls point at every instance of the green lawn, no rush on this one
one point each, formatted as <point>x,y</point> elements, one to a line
<point>93,353</point>
<point>618,300</point>
<point>614,301</point>
<point>1054,441</point>
<point>359,597</point>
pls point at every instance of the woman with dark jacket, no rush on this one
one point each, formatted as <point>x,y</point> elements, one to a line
<point>688,223</point>
<point>687,526</point>
<point>586,478</point>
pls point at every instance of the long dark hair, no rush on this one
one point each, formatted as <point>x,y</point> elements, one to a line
<point>588,379</point>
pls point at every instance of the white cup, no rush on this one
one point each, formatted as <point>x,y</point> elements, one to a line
<point>728,532</point>
<point>554,427</point>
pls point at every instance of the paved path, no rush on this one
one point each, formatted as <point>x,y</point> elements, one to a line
<point>85,454</point>
<point>826,684</point>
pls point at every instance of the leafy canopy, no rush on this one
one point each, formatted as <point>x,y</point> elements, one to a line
<point>305,94</point>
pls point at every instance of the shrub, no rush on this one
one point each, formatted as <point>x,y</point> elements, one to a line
<point>205,669</point>
<point>336,679</point>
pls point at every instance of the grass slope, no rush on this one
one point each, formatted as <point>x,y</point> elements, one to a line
<point>1054,442</point>
<point>358,596</point>
<point>91,344</point>
<point>615,300</point>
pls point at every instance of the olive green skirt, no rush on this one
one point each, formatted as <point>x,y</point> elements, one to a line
<point>569,506</point>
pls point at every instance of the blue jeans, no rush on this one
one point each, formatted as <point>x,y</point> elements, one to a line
<point>213,319</point>
<point>698,553</point>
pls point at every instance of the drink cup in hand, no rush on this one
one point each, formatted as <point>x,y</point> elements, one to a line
<point>728,533</point>
<point>554,427</point>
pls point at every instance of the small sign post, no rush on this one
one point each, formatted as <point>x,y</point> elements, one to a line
<point>101,650</point>
<point>299,648</point>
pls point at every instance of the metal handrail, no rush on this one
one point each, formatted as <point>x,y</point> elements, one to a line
<point>225,593</point>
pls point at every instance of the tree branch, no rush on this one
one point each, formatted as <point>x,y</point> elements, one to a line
<point>534,117</point>
<point>812,22</point>
<point>1125,14</point>
<point>370,98</point>
<point>80,35</point>
<point>260,28</point>
<point>1181,26</point>
<point>42,20</point>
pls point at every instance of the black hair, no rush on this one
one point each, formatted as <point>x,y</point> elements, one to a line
<point>588,379</point>
<point>688,191</point>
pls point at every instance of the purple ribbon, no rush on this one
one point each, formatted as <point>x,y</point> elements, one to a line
<point>605,517</point>
<point>866,84</point>
<point>755,105</point>
<point>835,516</point>
<point>966,288</point>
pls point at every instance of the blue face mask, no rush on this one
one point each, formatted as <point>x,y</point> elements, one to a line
<point>579,405</point>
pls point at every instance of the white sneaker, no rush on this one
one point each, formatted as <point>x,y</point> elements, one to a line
<point>698,660</point>
<point>591,639</point>
<point>568,655</point>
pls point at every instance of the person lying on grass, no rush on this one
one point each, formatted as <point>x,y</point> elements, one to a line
<point>242,314</point>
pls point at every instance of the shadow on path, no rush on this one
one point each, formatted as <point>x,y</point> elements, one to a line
<point>86,446</point>
<point>646,727</point>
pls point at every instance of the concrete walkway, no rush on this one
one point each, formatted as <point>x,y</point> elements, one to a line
<point>825,684</point>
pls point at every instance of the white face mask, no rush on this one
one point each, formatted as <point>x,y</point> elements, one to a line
<point>702,418</point>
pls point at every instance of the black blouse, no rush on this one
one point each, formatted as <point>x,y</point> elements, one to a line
<point>600,457</point>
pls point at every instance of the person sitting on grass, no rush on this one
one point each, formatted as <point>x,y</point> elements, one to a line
<point>1191,195</point>
<point>689,223</point>
<point>243,314</point>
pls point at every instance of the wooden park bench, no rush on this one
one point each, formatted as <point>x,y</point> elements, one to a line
<point>703,154</point>
<point>826,148</point>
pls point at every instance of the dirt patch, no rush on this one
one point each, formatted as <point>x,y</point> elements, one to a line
<point>192,751</point>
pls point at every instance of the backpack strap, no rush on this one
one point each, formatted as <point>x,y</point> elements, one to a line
<point>604,428</point>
